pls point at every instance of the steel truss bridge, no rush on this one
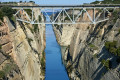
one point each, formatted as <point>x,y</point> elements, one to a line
<point>68,14</point>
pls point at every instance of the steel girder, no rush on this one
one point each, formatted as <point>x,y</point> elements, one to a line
<point>73,15</point>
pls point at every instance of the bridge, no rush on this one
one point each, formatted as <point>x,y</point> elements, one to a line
<point>68,14</point>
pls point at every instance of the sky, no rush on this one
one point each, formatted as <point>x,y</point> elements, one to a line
<point>56,2</point>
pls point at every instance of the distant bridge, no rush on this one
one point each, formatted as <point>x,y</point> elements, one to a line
<point>68,14</point>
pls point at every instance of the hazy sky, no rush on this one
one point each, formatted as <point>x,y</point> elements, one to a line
<point>67,2</point>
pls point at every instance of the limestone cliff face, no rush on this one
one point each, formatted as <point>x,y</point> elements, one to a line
<point>24,45</point>
<point>29,45</point>
<point>63,34</point>
<point>9,70</point>
<point>85,50</point>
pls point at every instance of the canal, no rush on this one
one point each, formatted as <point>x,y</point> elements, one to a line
<point>55,70</point>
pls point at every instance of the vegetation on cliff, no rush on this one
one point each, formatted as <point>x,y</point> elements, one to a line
<point>8,68</point>
<point>29,11</point>
<point>106,63</point>
<point>43,63</point>
<point>112,48</point>
<point>92,46</point>
<point>107,2</point>
<point>7,11</point>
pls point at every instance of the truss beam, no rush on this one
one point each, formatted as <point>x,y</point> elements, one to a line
<point>59,15</point>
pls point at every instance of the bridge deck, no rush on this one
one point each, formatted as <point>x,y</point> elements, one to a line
<point>67,6</point>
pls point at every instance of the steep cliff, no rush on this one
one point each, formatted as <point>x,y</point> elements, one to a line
<point>92,51</point>
<point>24,45</point>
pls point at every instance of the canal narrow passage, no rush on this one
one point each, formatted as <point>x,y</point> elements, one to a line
<point>55,70</point>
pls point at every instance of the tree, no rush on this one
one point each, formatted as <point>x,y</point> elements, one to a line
<point>8,11</point>
<point>1,15</point>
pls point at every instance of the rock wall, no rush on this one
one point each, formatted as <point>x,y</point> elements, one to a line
<point>8,68</point>
<point>85,50</point>
<point>22,50</point>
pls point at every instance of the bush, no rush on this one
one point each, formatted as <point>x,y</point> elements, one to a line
<point>103,74</point>
<point>95,55</point>
<point>109,44</point>
<point>113,50</point>
<point>2,74</point>
<point>118,51</point>
<point>115,15</point>
<point>36,27</point>
<point>13,19</point>
<point>106,63</point>
<point>112,47</point>
<point>8,68</point>
<point>92,46</point>
<point>8,11</point>
<point>107,2</point>
<point>43,63</point>
<point>1,15</point>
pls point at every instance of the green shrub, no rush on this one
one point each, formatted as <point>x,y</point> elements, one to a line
<point>13,19</point>
<point>103,74</point>
<point>113,50</point>
<point>115,15</point>
<point>118,51</point>
<point>112,47</point>
<point>2,74</point>
<point>8,11</point>
<point>106,63</point>
<point>36,28</point>
<point>103,61</point>
<point>109,44</point>
<point>95,55</point>
<point>7,68</point>
<point>107,2</point>
<point>43,64</point>
<point>92,46</point>
<point>1,15</point>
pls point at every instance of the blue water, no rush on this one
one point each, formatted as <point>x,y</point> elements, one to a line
<point>55,70</point>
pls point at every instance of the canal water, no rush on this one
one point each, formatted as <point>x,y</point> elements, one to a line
<point>55,70</point>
